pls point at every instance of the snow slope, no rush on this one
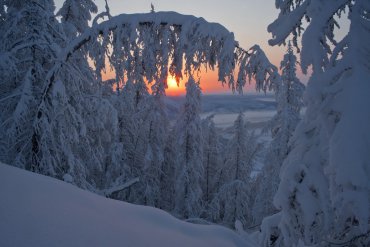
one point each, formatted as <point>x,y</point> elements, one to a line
<point>41,211</point>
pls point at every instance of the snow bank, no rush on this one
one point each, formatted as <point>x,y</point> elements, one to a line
<point>41,211</point>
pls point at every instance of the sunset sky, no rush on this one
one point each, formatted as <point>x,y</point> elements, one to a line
<point>247,19</point>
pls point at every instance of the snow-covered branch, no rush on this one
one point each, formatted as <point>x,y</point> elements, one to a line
<point>172,37</point>
<point>110,191</point>
<point>255,64</point>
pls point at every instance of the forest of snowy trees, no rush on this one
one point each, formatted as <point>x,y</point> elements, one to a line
<point>61,119</point>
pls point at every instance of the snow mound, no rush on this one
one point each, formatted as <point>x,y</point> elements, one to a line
<point>41,211</point>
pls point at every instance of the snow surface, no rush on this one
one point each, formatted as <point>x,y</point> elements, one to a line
<point>41,211</point>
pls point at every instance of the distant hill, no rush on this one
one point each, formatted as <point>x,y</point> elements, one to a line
<point>221,104</point>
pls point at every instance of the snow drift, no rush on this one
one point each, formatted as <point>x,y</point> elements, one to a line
<point>41,211</point>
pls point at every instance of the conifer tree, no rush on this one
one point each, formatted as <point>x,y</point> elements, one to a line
<point>154,154</point>
<point>324,179</point>
<point>30,44</point>
<point>233,198</point>
<point>75,16</point>
<point>211,162</point>
<point>189,163</point>
<point>167,178</point>
<point>289,97</point>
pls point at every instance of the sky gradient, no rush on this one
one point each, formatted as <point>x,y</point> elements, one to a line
<point>247,19</point>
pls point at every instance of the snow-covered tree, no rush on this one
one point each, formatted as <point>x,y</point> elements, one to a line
<point>75,16</point>
<point>131,129</point>
<point>189,163</point>
<point>71,102</point>
<point>289,97</point>
<point>154,155</point>
<point>167,178</point>
<point>324,190</point>
<point>148,151</point>
<point>233,198</point>
<point>30,44</point>
<point>51,128</point>
<point>211,162</point>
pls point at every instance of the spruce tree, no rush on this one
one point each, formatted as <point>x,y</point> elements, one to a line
<point>324,191</point>
<point>289,97</point>
<point>233,198</point>
<point>189,171</point>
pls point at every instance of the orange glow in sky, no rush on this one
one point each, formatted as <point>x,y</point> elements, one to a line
<point>208,82</point>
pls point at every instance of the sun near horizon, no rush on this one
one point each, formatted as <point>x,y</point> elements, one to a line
<point>208,82</point>
<point>174,88</point>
